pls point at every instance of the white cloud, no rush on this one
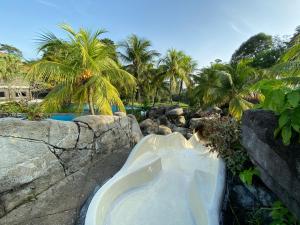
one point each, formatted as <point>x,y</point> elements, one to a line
<point>236,29</point>
<point>47,3</point>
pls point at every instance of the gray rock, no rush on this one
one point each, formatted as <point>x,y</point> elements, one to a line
<point>60,134</point>
<point>189,135</point>
<point>156,112</point>
<point>23,161</point>
<point>148,126</point>
<point>278,164</point>
<point>175,112</point>
<point>121,114</point>
<point>63,134</point>
<point>249,197</point>
<point>181,130</point>
<point>99,124</point>
<point>180,121</point>
<point>136,133</point>
<point>36,130</point>
<point>47,180</point>
<point>196,122</point>
<point>163,120</point>
<point>164,130</point>
<point>86,136</point>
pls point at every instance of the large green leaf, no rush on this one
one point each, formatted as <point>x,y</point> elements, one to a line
<point>286,134</point>
<point>283,119</point>
<point>293,98</point>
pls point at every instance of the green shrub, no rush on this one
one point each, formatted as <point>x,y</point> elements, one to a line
<point>281,215</point>
<point>284,102</point>
<point>223,135</point>
<point>31,112</point>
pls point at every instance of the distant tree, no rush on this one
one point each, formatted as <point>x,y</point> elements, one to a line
<point>264,51</point>
<point>176,67</point>
<point>11,64</point>
<point>110,43</point>
<point>189,67</point>
<point>252,47</point>
<point>295,38</point>
<point>160,87</point>
<point>269,57</point>
<point>9,49</point>
<point>137,55</point>
<point>226,84</point>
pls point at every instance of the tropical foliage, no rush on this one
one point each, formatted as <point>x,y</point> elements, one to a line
<point>139,60</point>
<point>82,69</point>
<point>11,64</point>
<point>177,68</point>
<point>282,93</point>
<point>225,84</point>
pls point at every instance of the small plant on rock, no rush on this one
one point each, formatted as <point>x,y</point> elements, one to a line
<point>281,215</point>
<point>223,135</point>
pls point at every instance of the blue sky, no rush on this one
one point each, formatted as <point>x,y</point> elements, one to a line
<point>204,29</point>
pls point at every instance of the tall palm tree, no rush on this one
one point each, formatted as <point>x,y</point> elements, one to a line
<point>189,67</point>
<point>174,65</point>
<point>223,84</point>
<point>82,70</point>
<point>137,54</point>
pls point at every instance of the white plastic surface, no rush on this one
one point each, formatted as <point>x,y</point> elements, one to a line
<point>166,180</point>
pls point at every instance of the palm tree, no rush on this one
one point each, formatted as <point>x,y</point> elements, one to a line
<point>223,84</point>
<point>189,66</point>
<point>176,68</point>
<point>82,70</point>
<point>137,55</point>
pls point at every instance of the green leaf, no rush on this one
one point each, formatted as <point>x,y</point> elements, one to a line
<point>247,175</point>
<point>296,127</point>
<point>295,116</point>
<point>277,131</point>
<point>283,119</point>
<point>293,98</point>
<point>277,100</point>
<point>286,134</point>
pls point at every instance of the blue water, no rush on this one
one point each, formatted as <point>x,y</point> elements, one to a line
<point>64,117</point>
<point>71,116</point>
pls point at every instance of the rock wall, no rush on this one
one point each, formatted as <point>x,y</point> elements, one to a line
<point>165,120</point>
<point>279,165</point>
<point>49,168</point>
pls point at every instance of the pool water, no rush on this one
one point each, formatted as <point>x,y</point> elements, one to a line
<point>71,116</point>
<point>63,117</point>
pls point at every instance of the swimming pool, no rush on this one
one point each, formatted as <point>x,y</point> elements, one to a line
<point>71,116</point>
<point>63,116</point>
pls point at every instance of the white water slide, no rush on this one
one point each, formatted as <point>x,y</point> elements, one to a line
<point>166,180</point>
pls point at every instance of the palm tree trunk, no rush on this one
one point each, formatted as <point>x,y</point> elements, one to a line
<point>132,100</point>
<point>155,97</point>
<point>90,101</point>
<point>139,95</point>
<point>180,90</point>
<point>171,100</point>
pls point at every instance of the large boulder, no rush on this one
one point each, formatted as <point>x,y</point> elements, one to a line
<point>175,112</point>
<point>202,123</point>
<point>148,126</point>
<point>279,165</point>
<point>49,168</point>
<point>164,130</point>
<point>156,112</point>
<point>180,121</point>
